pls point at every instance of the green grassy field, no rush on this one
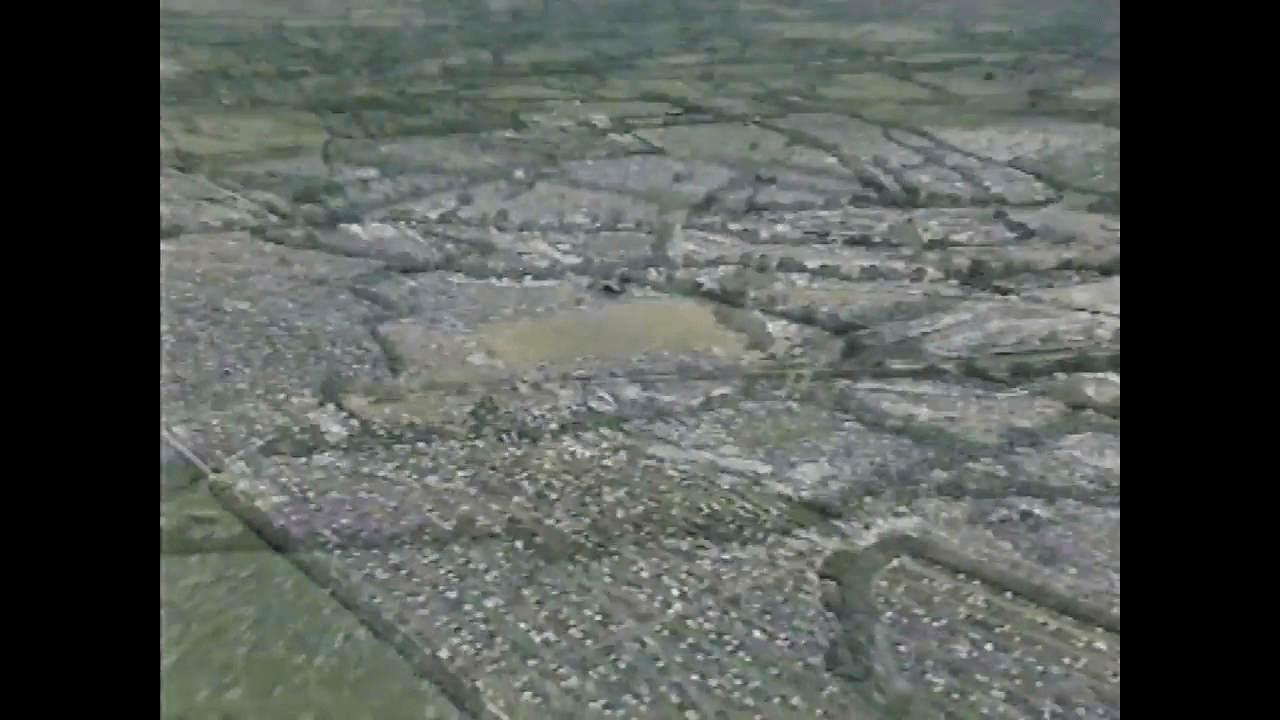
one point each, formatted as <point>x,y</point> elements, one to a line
<point>245,635</point>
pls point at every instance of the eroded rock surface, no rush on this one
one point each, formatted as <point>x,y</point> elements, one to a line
<point>754,362</point>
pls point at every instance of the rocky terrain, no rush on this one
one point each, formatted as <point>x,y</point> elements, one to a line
<point>668,359</point>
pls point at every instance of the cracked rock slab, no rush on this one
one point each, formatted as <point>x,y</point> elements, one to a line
<point>576,365</point>
<point>1096,391</point>
<point>247,330</point>
<point>588,578</point>
<point>1005,339</point>
<point>1080,155</point>
<point>969,635</point>
<point>191,204</point>
<point>541,595</point>
<point>982,417</point>
<point>1100,297</point>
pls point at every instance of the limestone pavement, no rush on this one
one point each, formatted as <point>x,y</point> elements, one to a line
<point>643,360</point>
